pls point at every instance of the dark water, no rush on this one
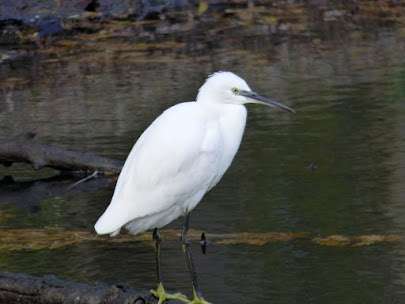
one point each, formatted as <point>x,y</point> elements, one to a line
<point>349,94</point>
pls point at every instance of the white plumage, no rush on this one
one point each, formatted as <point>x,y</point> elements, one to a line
<point>181,156</point>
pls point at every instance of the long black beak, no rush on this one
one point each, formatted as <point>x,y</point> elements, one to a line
<point>256,98</point>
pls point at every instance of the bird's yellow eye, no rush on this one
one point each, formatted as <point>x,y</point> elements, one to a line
<point>235,91</point>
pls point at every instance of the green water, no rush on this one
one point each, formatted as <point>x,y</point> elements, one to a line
<point>350,104</point>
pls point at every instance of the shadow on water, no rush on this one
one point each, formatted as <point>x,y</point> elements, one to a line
<point>335,167</point>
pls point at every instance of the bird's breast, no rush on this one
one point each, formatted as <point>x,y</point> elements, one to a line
<point>232,121</point>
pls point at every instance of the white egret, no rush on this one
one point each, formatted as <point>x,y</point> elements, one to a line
<point>181,156</point>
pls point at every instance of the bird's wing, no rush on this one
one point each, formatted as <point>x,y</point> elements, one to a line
<point>175,160</point>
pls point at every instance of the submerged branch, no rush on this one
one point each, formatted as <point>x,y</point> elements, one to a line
<point>29,194</point>
<point>51,238</point>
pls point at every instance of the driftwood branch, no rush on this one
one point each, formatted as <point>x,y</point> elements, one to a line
<point>26,149</point>
<point>22,288</point>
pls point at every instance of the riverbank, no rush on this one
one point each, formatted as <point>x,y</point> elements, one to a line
<point>56,28</point>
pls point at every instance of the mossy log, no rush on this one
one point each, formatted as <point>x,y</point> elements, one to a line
<point>26,149</point>
<point>23,288</point>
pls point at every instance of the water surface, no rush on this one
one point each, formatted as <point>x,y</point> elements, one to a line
<point>349,95</point>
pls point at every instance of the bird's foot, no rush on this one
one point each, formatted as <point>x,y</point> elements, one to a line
<point>198,300</point>
<point>161,294</point>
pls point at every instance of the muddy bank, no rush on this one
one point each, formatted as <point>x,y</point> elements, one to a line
<point>37,24</point>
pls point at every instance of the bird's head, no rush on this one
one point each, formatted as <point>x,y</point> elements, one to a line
<point>228,88</point>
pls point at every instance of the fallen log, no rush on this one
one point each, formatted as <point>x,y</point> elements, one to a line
<point>26,149</point>
<point>23,288</point>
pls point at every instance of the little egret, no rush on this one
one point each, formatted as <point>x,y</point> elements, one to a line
<point>181,156</point>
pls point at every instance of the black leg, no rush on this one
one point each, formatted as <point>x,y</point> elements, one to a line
<point>160,292</point>
<point>156,242</point>
<point>189,257</point>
